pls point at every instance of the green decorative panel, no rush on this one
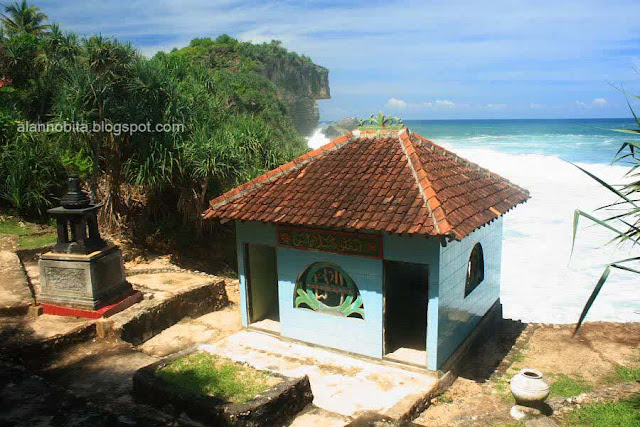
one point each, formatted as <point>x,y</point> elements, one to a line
<point>368,245</point>
<point>326,288</point>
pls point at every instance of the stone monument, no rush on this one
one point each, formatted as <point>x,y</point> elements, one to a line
<point>83,271</point>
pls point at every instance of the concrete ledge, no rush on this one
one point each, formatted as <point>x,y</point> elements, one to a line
<point>151,316</point>
<point>277,406</point>
<point>412,406</point>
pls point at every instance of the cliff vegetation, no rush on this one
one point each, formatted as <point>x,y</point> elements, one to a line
<point>296,79</point>
<point>230,123</point>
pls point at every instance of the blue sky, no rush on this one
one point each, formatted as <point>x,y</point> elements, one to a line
<point>418,60</point>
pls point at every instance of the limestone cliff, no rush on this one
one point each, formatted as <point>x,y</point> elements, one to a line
<point>300,83</point>
<point>297,80</point>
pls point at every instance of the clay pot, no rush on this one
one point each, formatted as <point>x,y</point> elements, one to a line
<point>529,388</point>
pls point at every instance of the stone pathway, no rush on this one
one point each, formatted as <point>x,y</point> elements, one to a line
<point>15,296</point>
<point>188,332</point>
<point>341,384</point>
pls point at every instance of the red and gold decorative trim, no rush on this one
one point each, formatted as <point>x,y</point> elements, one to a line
<point>340,242</point>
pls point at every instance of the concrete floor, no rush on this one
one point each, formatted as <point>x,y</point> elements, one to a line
<point>267,325</point>
<point>340,383</point>
<point>408,355</point>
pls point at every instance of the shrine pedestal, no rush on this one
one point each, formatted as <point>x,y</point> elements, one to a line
<point>86,281</point>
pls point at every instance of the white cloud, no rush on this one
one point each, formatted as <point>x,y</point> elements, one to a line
<point>445,103</point>
<point>596,103</point>
<point>396,103</point>
<point>496,106</point>
<point>599,102</point>
<point>535,106</point>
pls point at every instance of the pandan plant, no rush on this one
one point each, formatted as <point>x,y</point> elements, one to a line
<point>622,217</point>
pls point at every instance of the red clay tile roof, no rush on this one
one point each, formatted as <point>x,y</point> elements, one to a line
<point>396,181</point>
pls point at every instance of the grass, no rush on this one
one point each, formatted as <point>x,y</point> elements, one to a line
<point>623,374</point>
<point>204,373</point>
<point>29,235</point>
<point>503,389</point>
<point>623,413</point>
<point>443,398</point>
<point>565,386</point>
<point>12,225</point>
<point>33,242</point>
<point>518,357</point>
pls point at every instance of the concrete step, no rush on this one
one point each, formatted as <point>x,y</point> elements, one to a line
<point>163,308</point>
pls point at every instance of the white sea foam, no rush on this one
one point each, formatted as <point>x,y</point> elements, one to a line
<point>317,139</point>
<point>539,282</point>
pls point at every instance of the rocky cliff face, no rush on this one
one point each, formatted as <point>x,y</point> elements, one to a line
<point>301,83</point>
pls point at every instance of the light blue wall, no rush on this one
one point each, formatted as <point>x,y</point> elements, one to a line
<point>349,334</point>
<point>420,250</point>
<point>458,315</point>
<point>451,317</point>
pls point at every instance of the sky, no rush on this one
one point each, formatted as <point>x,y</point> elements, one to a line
<point>417,60</point>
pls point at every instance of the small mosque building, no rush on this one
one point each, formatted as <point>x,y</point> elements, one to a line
<point>380,243</point>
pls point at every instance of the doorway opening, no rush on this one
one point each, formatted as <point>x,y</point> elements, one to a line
<point>406,299</point>
<point>261,276</point>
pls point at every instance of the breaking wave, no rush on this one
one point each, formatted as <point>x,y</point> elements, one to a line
<point>541,281</point>
<point>317,139</point>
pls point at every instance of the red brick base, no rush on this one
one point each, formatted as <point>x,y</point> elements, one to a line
<point>106,311</point>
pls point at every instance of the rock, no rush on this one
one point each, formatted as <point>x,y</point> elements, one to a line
<point>520,413</point>
<point>340,127</point>
<point>541,422</point>
<point>300,83</point>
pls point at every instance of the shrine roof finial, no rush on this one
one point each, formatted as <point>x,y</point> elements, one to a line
<point>380,122</point>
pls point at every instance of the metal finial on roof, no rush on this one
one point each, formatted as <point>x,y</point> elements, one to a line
<point>380,122</point>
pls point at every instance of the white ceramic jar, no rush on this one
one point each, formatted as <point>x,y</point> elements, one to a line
<point>529,388</point>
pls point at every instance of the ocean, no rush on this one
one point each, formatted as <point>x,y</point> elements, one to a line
<point>541,281</point>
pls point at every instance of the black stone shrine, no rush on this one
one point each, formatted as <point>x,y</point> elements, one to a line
<point>77,222</point>
<point>83,270</point>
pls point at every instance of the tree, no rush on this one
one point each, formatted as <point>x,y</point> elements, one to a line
<point>20,18</point>
<point>96,91</point>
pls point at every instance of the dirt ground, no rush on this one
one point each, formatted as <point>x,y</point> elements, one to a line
<point>592,355</point>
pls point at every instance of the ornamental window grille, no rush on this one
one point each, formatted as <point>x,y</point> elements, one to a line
<point>475,269</point>
<point>327,288</point>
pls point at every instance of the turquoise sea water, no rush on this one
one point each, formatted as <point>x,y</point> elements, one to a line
<point>576,140</point>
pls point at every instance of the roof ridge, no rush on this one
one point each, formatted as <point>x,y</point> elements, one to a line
<point>269,176</point>
<point>429,195</point>
<point>453,156</point>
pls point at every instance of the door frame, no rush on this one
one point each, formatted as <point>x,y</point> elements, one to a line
<point>384,301</point>
<point>247,277</point>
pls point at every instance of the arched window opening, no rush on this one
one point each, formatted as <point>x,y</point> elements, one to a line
<point>475,269</point>
<point>326,288</point>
